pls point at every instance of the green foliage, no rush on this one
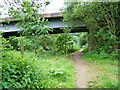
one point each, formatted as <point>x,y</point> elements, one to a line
<point>75,39</point>
<point>33,26</point>
<point>18,72</point>
<point>83,39</point>
<point>32,72</point>
<point>100,57</point>
<point>6,46</point>
<point>46,44</point>
<point>85,48</point>
<point>101,19</point>
<point>104,82</point>
<point>13,40</point>
<point>64,43</point>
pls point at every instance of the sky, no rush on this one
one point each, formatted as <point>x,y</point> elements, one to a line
<point>53,7</point>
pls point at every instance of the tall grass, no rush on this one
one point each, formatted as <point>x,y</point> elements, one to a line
<point>33,72</point>
<point>102,58</point>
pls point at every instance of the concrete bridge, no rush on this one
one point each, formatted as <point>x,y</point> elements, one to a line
<point>55,22</point>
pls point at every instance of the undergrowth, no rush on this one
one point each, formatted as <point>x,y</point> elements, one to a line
<point>102,58</point>
<point>33,72</point>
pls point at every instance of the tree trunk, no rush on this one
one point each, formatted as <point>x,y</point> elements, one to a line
<point>22,47</point>
<point>90,46</point>
<point>35,50</point>
<point>118,33</point>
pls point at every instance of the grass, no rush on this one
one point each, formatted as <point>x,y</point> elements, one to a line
<point>106,71</point>
<point>58,71</point>
<point>59,64</point>
<point>100,58</point>
<point>55,71</point>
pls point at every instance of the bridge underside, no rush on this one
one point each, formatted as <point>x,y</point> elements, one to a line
<point>55,31</point>
<point>55,23</point>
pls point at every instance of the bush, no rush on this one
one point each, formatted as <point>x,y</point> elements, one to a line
<point>19,72</point>
<point>31,72</point>
<point>14,42</point>
<point>46,44</point>
<point>64,43</point>
<point>83,39</point>
<point>76,48</point>
<point>6,46</point>
<point>86,48</point>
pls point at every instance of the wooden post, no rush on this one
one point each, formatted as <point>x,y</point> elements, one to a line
<point>22,47</point>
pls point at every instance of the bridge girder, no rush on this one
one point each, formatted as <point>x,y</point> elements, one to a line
<point>55,23</point>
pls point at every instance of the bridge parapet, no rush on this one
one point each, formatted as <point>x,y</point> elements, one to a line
<point>51,15</point>
<point>44,15</point>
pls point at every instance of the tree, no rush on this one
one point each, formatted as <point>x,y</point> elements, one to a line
<point>101,19</point>
<point>33,26</point>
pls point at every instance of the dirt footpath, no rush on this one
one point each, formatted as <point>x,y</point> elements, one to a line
<point>83,71</point>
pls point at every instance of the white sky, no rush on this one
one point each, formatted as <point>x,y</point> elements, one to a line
<point>53,7</point>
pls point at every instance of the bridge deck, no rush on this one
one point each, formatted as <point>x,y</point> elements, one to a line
<point>55,22</point>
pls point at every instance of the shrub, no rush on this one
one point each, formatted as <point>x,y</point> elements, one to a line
<point>14,42</point>
<point>6,46</point>
<point>19,72</point>
<point>83,39</point>
<point>46,44</point>
<point>86,48</point>
<point>31,72</point>
<point>64,43</point>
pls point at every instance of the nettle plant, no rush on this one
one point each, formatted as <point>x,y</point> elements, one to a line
<point>33,26</point>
